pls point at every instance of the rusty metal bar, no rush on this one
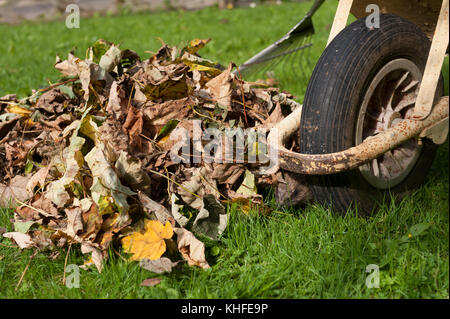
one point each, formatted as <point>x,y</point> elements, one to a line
<point>371,148</point>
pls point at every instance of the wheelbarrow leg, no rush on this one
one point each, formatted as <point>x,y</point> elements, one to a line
<point>433,68</point>
<point>340,19</point>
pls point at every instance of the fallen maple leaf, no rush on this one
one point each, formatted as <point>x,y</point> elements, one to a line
<point>151,244</point>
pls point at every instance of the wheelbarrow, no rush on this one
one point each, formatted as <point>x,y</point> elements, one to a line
<point>373,113</point>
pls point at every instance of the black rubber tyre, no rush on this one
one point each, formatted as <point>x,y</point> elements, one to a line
<point>334,96</point>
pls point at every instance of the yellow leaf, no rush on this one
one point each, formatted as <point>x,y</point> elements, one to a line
<point>163,140</point>
<point>88,262</point>
<point>19,110</point>
<point>199,67</point>
<point>30,122</point>
<point>196,45</point>
<point>246,205</point>
<point>149,245</point>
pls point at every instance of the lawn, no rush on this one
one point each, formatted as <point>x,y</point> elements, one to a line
<point>307,253</point>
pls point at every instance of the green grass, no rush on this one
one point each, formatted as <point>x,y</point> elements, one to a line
<point>308,253</point>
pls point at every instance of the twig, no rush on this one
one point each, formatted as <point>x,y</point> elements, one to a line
<point>129,98</point>
<point>243,95</point>
<point>96,95</point>
<point>212,186</point>
<point>9,246</point>
<point>205,116</point>
<point>25,270</point>
<point>52,87</point>
<point>65,264</point>
<point>168,182</point>
<point>145,137</point>
<point>250,108</point>
<point>171,180</point>
<point>118,254</point>
<point>31,207</point>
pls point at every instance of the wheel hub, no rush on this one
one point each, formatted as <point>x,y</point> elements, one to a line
<point>389,99</point>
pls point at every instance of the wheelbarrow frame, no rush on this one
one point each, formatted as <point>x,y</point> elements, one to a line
<point>431,121</point>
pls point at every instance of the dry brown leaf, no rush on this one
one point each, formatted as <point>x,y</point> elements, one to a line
<point>6,127</point>
<point>92,222</point>
<point>192,249</point>
<point>275,117</point>
<point>133,127</point>
<point>68,67</point>
<point>158,115</point>
<point>21,239</point>
<point>292,189</point>
<point>158,266</point>
<point>52,101</point>
<point>96,257</point>
<point>198,185</point>
<point>150,282</point>
<point>38,179</point>
<point>117,102</point>
<point>38,207</point>
<point>220,87</point>
<point>14,191</point>
<point>227,173</point>
<point>112,135</point>
<point>130,171</point>
<point>151,207</point>
<point>74,221</point>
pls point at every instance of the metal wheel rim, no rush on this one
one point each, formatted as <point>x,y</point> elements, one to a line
<point>390,98</point>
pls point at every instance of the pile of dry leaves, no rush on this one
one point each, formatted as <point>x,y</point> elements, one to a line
<point>87,161</point>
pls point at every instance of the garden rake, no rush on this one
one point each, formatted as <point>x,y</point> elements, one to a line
<point>287,54</point>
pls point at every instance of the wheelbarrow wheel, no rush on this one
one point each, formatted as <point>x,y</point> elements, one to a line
<point>366,81</point>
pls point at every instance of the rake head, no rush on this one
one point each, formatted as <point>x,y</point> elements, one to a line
<point>288,57</point>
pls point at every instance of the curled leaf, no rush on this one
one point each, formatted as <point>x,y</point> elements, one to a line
<point>192,249</point>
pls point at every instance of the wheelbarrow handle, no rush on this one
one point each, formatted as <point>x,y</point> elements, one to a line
<point>372,147</point>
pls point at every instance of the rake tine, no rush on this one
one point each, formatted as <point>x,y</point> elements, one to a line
<point>296,61</point>
<point>307,60</point>
<point>299,64</point>
<point>292,61</point>
<point>303,61</point>
<point>284,57</point>
<point>281,61</point>
<point>259,67</point>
